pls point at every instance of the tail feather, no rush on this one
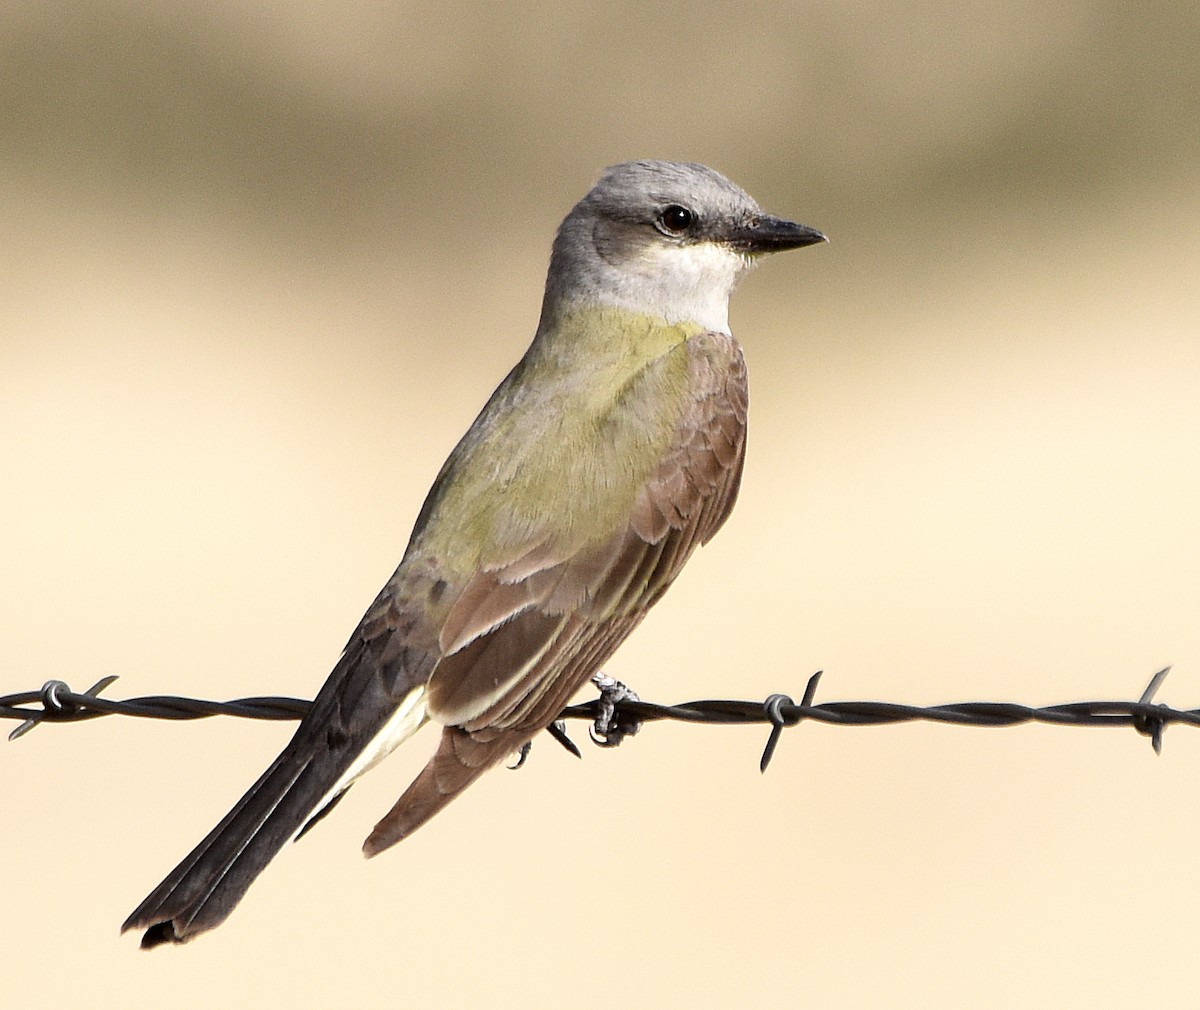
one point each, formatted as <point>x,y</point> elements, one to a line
<point>299,787</point>
<point>203,889</point>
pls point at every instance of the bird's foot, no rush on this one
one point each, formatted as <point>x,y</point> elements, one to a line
<point>612,727</point>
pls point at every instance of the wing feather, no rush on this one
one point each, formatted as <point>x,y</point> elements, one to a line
<point>510,646</point>
<point>510,673</point>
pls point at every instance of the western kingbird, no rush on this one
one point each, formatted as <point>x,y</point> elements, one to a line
<point>608,454</point>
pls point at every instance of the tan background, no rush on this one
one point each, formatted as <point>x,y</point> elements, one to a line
<point>261,265</point>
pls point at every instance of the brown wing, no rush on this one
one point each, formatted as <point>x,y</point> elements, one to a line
<point>520,641</point>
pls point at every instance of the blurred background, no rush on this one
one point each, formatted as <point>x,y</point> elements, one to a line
<point>264,262</point>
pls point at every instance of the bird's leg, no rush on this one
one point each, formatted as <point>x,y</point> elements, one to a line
<point>610,728</point>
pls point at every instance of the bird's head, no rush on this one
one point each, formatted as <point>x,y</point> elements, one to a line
<point>664,238</point>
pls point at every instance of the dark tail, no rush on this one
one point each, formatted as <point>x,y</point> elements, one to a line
<point>203,889</point>
<point>368,706</point>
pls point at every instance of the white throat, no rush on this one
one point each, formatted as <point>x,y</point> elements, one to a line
<point>681,284</point>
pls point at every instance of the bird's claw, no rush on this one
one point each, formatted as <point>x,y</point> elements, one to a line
<point>522,754</point>
<point>610,727</point>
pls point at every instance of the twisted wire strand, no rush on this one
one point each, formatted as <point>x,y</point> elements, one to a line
<point>619,713</point>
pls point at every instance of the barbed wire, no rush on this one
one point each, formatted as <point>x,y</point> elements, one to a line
<point>619,713</point>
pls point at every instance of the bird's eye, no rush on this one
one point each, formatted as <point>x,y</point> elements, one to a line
<point>675,220</point>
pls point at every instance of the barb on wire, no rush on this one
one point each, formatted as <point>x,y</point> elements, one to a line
<point>618,712</point>
<point>60,704</point>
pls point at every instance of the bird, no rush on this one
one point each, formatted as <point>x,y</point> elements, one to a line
<point>609,453</point>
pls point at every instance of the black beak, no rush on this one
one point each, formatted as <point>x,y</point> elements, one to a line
<point>768,234</point>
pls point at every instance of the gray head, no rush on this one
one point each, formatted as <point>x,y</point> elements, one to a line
<point>665,238</point>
